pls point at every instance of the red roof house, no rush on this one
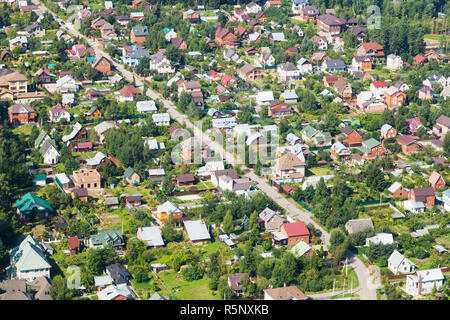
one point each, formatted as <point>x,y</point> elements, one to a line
<point>295,231</point>
<point>73,244</point>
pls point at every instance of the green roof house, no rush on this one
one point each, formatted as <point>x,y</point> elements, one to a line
<point>308,133</point>
<point>40,139</point>
<point>300,249</point>
<point>28,261</point>
<point>40,179</point>
<point>140,31</point>
<point>369,145</point>
<point>105,237</point>
<point>30,204</point>
<point>131,177</point>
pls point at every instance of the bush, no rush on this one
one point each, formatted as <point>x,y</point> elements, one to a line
<point>193,273</point>
<point>141,276</point>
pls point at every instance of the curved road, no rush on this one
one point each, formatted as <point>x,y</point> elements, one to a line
<point>366,289</point>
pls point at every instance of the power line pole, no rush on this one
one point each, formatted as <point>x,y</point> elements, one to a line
<point>343,289</point>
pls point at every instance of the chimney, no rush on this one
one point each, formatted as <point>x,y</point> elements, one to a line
<point>420,284</point>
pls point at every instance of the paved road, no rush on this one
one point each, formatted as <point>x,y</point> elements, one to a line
<point>293,210</point>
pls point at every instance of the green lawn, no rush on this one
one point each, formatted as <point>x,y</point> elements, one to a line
<point>187,290</point>
<point>84,155</point>
<point>318,171</point>
<point>24,129</point>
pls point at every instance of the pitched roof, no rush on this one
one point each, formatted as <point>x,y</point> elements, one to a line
<point>29,255</point>
<point>152,235</point>
<point>359,225</point>
<point>30,200</point>
<point>289,161</point>
<point>434,177</point>
<point>294,229</point>
<point>444,121</point>
<point>197,230</point>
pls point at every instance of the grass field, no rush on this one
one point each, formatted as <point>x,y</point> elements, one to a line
<point>186,290</point>
<point>318,171</point>
<point>24,129</point>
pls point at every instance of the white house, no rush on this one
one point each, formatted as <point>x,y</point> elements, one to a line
<point>414,206</point>
<point>287,72</point>
<point>49,152</point>
<point>170,35</point>
<point>57,113</point>
<point>304,65</point>
<point>298,5</point>
<point>161,64</point>
<point>161,119</point>
<point>153,144</point>
<point>394,62</point>
<point>398,263</point>
<point>66,84</point>
<point>28,261</point>
<point>146,106</point>
<point>446,199</point>
<point>224,123</point>
<point>424,281</point>
<point>289,96</point>
<point>252,8</point>
<point>384,238</point>
<point>264,97</point>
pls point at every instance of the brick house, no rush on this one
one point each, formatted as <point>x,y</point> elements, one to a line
<point>87,178</point>
<point>226,38</point>
<point>296,232</point>
<point>436,181</point>
<point>362,63</point>
<point>279,110</point>
<point>408,144</point>
<point>191,15</point>
<point>189,148</point>
<point>373,49</point>
<point>396,190</point>
<point>102,65</point>
<point>309,13</point>
<point>373,149</point>
<point>351,137</point>
<point>425,195</point>
<point>387,131</point>
<point>331,24</point>
<point>394,98</point>
<point>138,34</point>
<point>21,114</point>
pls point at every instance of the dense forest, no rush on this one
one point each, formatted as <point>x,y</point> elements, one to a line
<point>13,177</point>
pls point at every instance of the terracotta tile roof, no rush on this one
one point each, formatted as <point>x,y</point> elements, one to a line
<point>289,161</point>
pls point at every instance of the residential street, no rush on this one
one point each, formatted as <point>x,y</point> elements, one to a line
<point>365,291</point>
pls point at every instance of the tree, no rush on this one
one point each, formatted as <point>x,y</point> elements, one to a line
<point>265,269</point>
<point>253,223</point>
<point>225,292</point>
<point>59,289</point>
<point>285,271</point>
<point>193,273</point>
<point>446,143</point>
<point>169,232</point>
<point>228,224</point>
